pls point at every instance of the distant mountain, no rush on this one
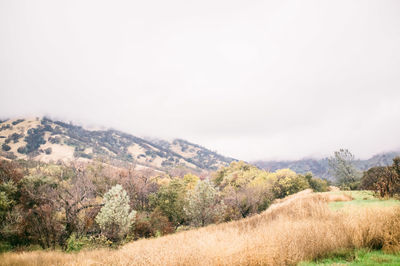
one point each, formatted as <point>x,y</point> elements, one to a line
<point>44,139</point>
<point>320,167</point>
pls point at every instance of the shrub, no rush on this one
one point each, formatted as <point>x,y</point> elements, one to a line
<point>160,223</point>
<point>17,121</point>
<point>143,226</point>
<point>5,147</point>
<point>288,182</point>
<point>74,243</point>
<point>317,184</point>
<point>115,219</point>
<point>48,150</point>
<point>22,150</point>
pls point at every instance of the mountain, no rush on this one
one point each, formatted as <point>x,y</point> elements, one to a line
<point>320,167</point>
<point>45,140</point>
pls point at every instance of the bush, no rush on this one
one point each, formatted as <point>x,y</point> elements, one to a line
<point>143,227</point>
<point>160,223</point>
<point>5,246</point>
<point>5,147</point>
<point>48,150</point>
<point>17,121</point>
<point>21,150</point>
<point>74,243</point>
<point>288,183</point>
<point>115,219</point>
<point>317,184</point>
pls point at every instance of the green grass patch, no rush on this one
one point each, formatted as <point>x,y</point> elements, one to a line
<point>362,198</point>
<point>357,258</point>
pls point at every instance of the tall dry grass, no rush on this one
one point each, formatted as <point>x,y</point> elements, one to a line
<point>301,227</point>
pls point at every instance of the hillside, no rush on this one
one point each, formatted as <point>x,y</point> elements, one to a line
<point>301,227</point>
<point>320,167</point>
<point>47,140</point>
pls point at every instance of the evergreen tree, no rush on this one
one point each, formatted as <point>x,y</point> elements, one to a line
<point>343,169</point>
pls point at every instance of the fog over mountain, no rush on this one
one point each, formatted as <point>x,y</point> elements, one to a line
<point>252,80</point>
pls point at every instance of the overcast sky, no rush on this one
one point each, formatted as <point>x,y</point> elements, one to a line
<point>249,79</point>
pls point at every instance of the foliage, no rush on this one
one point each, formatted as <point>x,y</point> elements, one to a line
<point>317,184</point>
<point>33,140</point>
<point>343,169</point>
<point>115,219</point>
<point>14,137</point>
<point>245,189</point>
<point>48,150</point>
<point>384,180</point>
<point>57,205</point>
<point>170,200</point>
<point>203,205</point>
<point>5,147</point>
<point>296,229</point>
<point>288,182</point>
<point>74,243</point>
<point>320,167</point>
<point>17,121</point>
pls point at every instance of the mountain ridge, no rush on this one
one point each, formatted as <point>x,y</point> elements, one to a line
<point>46,139</point>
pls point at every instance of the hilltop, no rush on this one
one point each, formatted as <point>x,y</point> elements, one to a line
<point>46,140</point>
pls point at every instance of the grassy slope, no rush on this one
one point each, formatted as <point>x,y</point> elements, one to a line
<point>361,199</point>
<point>299,228</point>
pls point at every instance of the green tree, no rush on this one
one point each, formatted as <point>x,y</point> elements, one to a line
<point>288,182</point>
<point>170,198</point>
<point>203,206</point>
<point>115,219</point>
<point>343,169</point>
<point>245,189</point>
<point>317,184</point>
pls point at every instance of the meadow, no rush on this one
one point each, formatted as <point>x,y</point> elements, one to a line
<point>303,227</point>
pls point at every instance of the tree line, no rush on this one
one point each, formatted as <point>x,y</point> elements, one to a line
<point>384,180</point>
<point>55,205</point>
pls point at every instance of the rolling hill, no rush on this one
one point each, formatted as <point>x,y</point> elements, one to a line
<point>47,140</point>
<point>320,167</point>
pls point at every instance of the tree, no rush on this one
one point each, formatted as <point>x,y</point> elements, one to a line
<point>203,206</point>
<point>10,175</point>
<point>384,180</point>
<point>317,184</point>
<point>288,182</point>
<point>39,208</point>
<point>139,185</point>
<point>245,189</point>
<point>77,197</point>
<point>170,198</point>
<point>343,169</point>
<point>115,219</point>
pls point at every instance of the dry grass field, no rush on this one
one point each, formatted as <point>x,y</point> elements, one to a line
<point>302,227</point>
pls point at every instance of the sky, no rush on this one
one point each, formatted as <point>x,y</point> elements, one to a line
<point>272,80</point>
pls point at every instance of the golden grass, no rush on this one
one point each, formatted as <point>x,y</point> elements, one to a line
<point>338,197</point>
<point>301,227</point>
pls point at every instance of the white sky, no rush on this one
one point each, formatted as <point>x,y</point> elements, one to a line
<point>249,79</point>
